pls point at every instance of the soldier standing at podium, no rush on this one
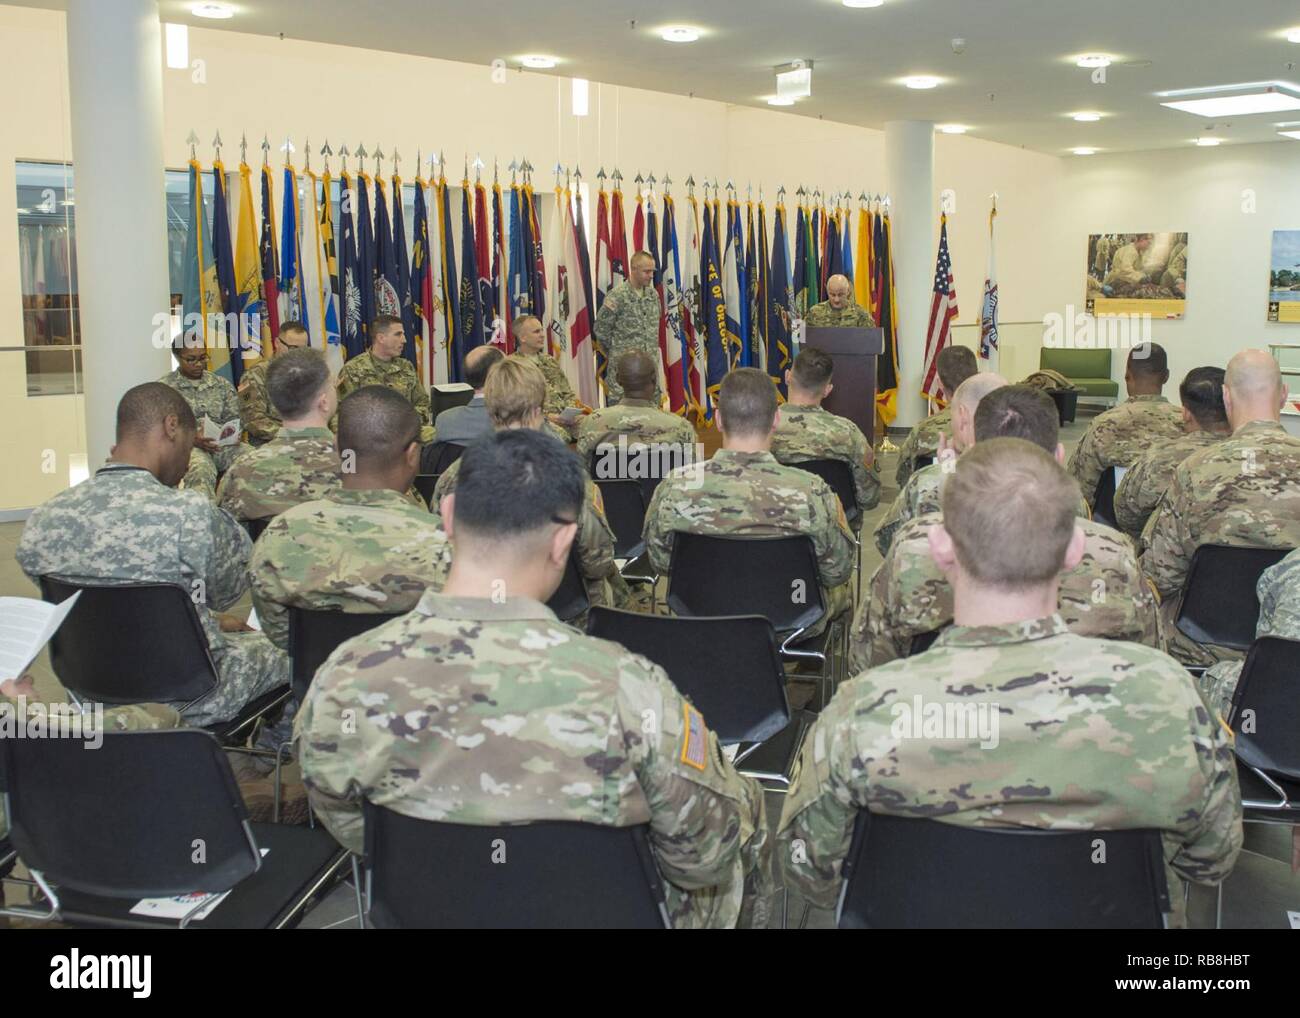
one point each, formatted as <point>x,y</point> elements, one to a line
<point>838,310</point>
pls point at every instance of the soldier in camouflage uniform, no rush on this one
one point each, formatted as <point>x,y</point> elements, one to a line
<point>363,547</point>
<point>258,414</point>
<point>1279,615</point>
<point>514,392</point>
<point>744,490</point>
<point>955,365</point>
<point>1123,433</point>
<point>808,431</point>
<point>128,523</point>
<point>209,396</point>
<point>1204,422</point>
<point>1242,491</point>
<point>839,310</point>
<point>383,364</point>
<point>518,718</point>
<point>530,345</point>
<point>637,419</point>
<point>1045,728</point>
<point>924,488</point>
<point>300,463</point>
<point>628,319</point>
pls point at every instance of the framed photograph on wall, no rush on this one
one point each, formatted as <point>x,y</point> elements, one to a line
<point>1137,274</point>
<point>1284,277</point>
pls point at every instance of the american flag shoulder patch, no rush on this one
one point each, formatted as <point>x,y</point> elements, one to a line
<point>695,738</point>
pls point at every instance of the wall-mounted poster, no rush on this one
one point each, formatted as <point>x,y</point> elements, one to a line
<point>1284,277</point>
<point>1137,274</point>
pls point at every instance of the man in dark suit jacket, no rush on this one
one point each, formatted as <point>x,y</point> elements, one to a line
<point>460,425</point>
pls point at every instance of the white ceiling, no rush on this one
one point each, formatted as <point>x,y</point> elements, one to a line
<point>1014,83</point>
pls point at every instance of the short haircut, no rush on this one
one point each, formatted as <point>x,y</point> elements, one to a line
<point>513,391</point>
<point>378,425</point>
<point>295,379</point>
<point>1010,510</point>
<point>294,326</point>
<point>642,256</point>
<point>146,406</point>
<point>518,324</point>
<point>1019,411</point>
<point>1149,360</point>
<point>812,369</point>
<point>478,362</point>
<point>1201,392</point>
<point>510,484</point>
<point>191,340</point>
<point>747,399</point>
<point>956,364</point>
<point>636,371</point>
<point>382,323</point>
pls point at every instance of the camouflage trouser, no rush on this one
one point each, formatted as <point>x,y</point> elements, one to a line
<point>839,604</point>
<point>1218,685</point>
<point>247,666</point>
<point>202,474</point>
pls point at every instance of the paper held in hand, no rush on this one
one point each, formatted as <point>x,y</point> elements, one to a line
<point>26,626</point>
<point>222,434</point>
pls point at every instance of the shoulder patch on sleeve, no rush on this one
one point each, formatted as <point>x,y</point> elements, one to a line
<point>695,738</point>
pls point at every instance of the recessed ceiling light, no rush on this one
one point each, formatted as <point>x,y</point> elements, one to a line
<point>863,3</point>
<point>1293,35</point>
<point>1093,60</point>
<point>1207,142</point>
<point>921,81</point>
<point>1285,134</point>
<point>953,128</point>
<point>1083,151</point>
<point>780,100</point>
<point>679,33</point>
<point>213,10</point>
<point>537,61</point>
<point>1086,118</point>
<point>1264,100</point>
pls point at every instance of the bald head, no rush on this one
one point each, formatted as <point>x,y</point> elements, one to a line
<point>636,374</point>
<point>966,400</point>
<point>478,362</point>
<point>839,291</point>
<point>1253,388</point>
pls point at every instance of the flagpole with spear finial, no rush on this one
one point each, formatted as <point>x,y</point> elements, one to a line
<point>690,186</point>
<point>266,151</point>
<point>216,147</point>
<point>343,160</point>
<point>379,161</point>
<point>638,180</point>
<point>397,163</point>
<point>326,152</point>
<point>306,156</point>
<point>478,165</point>
<point>668,186</point>
<point>243,147</point>
<point>514,172</point>
<point>193,141</point>
<point>288,150</point>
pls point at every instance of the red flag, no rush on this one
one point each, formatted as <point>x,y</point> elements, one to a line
<point>638,226</point>
<point>617,239</point>
<point>501,268</point>
<point>604,274</point>
<point>943,309</point>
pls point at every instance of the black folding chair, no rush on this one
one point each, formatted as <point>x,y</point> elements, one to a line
<point>422,874</point>
<point>775,577</point>
<point>436,457</point>
<point>922,642</point>
<point>1103,499</point>
<point>1219,603</point>
<point>730,669</point>
<point>443,399</point>
<point>839,476</point>
<point>255,527</point>
<point>570,598</point>
<point>314,636</point>
<point>424,484</point>
<point>152,815</point>
<point>922,460</point>
<point>916,873</point>
<point>625,506</point>
<point>141,643</point>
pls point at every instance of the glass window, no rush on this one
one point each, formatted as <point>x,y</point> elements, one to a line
<point>47,271</point>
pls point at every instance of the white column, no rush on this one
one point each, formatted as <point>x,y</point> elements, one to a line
<point>909,173</point>
<point>115,99</point>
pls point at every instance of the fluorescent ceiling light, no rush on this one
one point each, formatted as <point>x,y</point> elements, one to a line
<point>863,3</point>
<point>780,100</point>
<point>214,10</point>
<point>795,83</point>
<point>1093,60</point>
<point>1285,134</point>
<point>1207,142</point>
<point>953,128</point>
<point>1266,100</point>
<point>579,97</point>
<point>538,62</point>
<point>178,46</point>
<point>921,81</point>
<point>1293,35</point>
<point>679,33</point>
<point>1083,151</point>
<point>1086,118</point>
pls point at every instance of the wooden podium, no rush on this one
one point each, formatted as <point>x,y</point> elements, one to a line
<point>854,353</point>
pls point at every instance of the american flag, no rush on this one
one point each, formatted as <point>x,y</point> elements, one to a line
<point>943,309</point>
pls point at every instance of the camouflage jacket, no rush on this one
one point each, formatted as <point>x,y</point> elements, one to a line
<point>852,316</point>
<point>814,433</point>
<point>922,440</point>
<point>353,551</point>
<point>1244,490</point>
<point>1145,481</point>
<point>260,418</point>
<point>750,493</point>
<point>640,420</point>
<point>559,392</point>
<point>628,319</point>
<point>1069,733</point>
<point>1279,615</point>
<point>296,466</point>
<point>1104,596</point>
<point>1119,436</point>
<point>123,525</point>
<point>470,711</point>
<point>209,396</point>
<point>398,374</point>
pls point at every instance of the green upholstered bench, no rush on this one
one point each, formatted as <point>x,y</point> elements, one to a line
<point>1089,370</point>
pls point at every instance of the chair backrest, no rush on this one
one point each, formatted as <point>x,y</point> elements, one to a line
<point>922,642</point>
<point>625,506</point>
<point>646,464</point>
<point>729,668</point>
<point>570,598</point>
<point>917,873</point>
<point>444,399</point>
<point>1103,499</point>
<point>921,461</point>
<point>314,635</point>
<point>1219,602</point>
<point>130,643</point>
<point>436,457</point>
<point>775,577</point>
<point>839,476</point>
<point>126,819</point>
<point>1074,363</point>
<point>1266,707</point>
<point>546,875</point>
<point>255,527</point>
<point>424,484</point>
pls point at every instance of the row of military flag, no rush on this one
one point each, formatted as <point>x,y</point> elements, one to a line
<point>728,298</point>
